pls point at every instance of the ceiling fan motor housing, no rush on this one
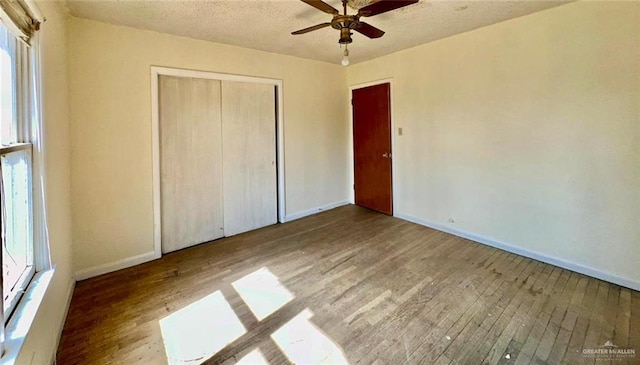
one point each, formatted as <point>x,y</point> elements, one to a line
<point>345,36</point>
<point>345,23</point>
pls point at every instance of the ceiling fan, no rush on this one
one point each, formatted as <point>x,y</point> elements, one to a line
<point>345,23</point>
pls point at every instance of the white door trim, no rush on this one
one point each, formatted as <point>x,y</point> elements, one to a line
<point>155,137</point>
<point>389,81</point>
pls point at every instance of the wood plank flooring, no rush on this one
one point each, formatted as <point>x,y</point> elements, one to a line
<point>363,288</point>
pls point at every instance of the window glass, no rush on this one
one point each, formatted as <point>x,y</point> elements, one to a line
<point>7,87</point>
<point>17,253</point>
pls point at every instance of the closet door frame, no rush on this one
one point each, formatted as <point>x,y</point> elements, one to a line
<point>156,72</point>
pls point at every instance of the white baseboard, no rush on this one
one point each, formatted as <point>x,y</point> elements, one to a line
<point>62,321</point>
<point>308,212</point>
<point>116,265</point>
<point>149,256</point>
<point>579,268</point>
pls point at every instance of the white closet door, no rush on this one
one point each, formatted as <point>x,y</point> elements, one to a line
<point>190,161</point>
<point>249,156</point>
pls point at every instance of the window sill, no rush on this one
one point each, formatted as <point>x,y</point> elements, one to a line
<point>24,316</point>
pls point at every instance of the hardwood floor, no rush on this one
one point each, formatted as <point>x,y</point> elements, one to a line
<point>347,285</point>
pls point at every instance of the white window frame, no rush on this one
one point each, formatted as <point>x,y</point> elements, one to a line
<point>24,76</point>
<point>35,281</point>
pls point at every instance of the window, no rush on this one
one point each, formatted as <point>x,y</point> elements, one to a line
<point>25,259</point>
<point>16,166</point>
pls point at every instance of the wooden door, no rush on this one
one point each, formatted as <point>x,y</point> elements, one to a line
<point>190,162</point>
<point>372,147</point>
<point>249,156</point>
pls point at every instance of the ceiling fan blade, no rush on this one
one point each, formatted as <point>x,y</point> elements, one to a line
<point>321,5</point>
<point>311,29</point>
<point>369,30</point>
<point>383,6</point>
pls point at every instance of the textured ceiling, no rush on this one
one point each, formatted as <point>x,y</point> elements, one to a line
<point>267,24</point>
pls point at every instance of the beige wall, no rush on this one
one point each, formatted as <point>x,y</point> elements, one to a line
<point>110,99</point>
<point>526,132</point>
<point>40,344</point>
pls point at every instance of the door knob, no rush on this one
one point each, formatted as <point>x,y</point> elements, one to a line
<point>386,155</point>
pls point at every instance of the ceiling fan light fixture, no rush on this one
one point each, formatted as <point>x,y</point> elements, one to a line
<point>345,57</point>
<point>357,4</point>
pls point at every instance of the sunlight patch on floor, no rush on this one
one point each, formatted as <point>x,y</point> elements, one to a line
<point>262,292</point>
<point>304,343</point>
<point>196,332</point>
<point>255,357</point>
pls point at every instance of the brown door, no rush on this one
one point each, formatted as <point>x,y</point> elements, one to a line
<point>372,147</point>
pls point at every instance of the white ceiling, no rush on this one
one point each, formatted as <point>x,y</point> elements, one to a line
<point>267,24</point>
